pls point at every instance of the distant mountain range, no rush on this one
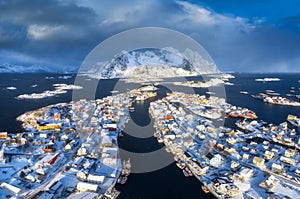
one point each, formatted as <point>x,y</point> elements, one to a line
<point>153,63</point>
<point>8,68</point>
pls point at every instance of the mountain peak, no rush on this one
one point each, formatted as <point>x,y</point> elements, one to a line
<point>147,63</point>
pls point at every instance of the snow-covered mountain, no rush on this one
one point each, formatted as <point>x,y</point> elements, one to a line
<point>153,63</point>
<point>8,68</point>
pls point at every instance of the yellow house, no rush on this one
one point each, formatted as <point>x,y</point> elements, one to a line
<point>49,127</point>
<point>259,161</point>
<point>292,117</point>
<point>269,155</point>
<point>289,153</point>
<point>3,135</point>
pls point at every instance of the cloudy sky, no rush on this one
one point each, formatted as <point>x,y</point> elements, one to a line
<point>240,35</point>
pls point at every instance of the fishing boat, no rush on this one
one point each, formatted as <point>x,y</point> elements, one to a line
<point>126,168</point>
<point>244,113</point>
<point>185,173</point>
<point>167,149</point>
<point>156,134</point>
<point>111,193</point>
<point>294,120</point>
<point>140,98</point>
<point>180,165</point>
<point>205,189</point>
<point>250,115</point>
<point>152,94</point>
<point>160,140</point>
<point>123,180</point>
<point>189,171</point>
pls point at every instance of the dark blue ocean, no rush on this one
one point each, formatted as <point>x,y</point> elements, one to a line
<point>168,182</point>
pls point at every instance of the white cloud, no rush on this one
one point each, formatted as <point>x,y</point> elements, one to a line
<point>58,32</point>
<point>180,15</point>
<point>125,14</point>
<point>41,32</point>
<point>194,16</point>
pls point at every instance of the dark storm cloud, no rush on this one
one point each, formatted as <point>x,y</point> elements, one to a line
<point>45,32</point>
<point>11,34</point>
<point>61,33</point>
<point>51,12</point>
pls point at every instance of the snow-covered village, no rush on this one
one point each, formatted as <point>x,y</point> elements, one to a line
<point>70,150</point>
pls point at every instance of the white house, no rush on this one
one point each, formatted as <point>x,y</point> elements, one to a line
<point>83,187</point>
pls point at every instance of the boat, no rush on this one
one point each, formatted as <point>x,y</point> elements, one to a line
<point>180,165</point>
<point>234,114</point>
<point>205,189</point>
<point>140,98</point>
<point>250,115</point>
<point>245,113</point>
<point>189,171</point>
<point>123,179</point>
<point>148,88</point>
<point>111,193</point>
<point>274,94</point>
<point>167,149</point>
<point>210,93</point>
<point>228,83</point>
<point>114,91</point>
<point>126,168</point>
<point>160,140</point>
<point>152,94</point>
<point>185,173</point>
<point>156,134</point>
<point>269,91</point>
<point>293,120</point>
<point>121,134</point>
<point>59,91</point>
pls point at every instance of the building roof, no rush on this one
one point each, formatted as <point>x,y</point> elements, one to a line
<point>84,195</point>
<point>258,160</point>
<point>86,186</point>
<point>11,188</point>
<point>95,178</point>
